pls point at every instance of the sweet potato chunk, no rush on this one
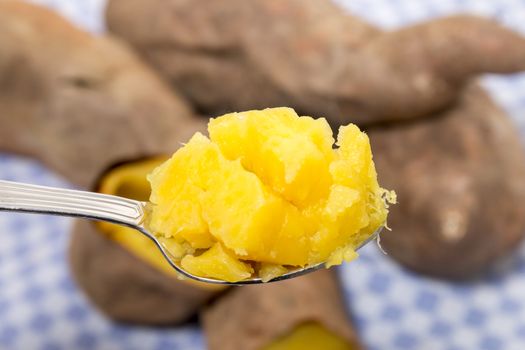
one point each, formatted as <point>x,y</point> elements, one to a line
<point>267,188</point>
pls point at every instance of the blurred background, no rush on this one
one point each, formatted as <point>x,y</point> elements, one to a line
<point>389,306</point>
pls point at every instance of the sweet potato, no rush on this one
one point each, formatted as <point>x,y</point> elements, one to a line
<point>259,317</point>
<point>121,271</point>
<point>459,181</point>
<point>267,192</point>
<point>78,102</point>
<point>311,55</point>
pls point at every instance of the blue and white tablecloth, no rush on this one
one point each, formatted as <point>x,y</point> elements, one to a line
<point>41,308</point>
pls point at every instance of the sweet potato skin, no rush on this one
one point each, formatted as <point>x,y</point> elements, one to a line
<point>459,181</point>
<point>239,55</point>
<point>250,317</point>
<point>80,103</point>
<point>311,55</point>
<point>125,288</point>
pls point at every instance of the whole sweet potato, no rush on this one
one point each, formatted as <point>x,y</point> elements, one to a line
<point>258,317</point>
<point>459,180</point>
<point>229,55</point>
<point>78,102</point>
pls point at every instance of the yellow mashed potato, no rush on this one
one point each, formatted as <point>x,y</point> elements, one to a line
<point>264,193</point>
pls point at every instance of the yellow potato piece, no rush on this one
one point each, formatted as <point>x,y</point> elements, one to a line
<point>269,271</point>
<point>217,263</point>
<point>280,148</point>
<point>177,210</point>
<point>268,187</point>
<point>310,336</point>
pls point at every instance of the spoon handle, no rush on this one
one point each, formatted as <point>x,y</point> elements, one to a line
<point>19,197</point>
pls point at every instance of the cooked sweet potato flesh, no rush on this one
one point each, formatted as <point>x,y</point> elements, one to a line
<point>310,336</point>
<point>266,190</point>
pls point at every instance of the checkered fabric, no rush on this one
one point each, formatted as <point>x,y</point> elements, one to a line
<point>41,308</point>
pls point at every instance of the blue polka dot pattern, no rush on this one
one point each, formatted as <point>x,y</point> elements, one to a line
<point>405,341</point>
<point>426,301</point>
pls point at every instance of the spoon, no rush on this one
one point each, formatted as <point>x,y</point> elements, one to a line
<point>19,197</point>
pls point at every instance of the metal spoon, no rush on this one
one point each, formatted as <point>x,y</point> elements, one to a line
<point>19,197</point>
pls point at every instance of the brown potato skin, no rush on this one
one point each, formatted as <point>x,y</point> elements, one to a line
<point>238,55</point>
<point>250,317</point>
<point>459,180</point>
<point>232,55</point>
<point>77,102</point>
<point>124,287</point>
